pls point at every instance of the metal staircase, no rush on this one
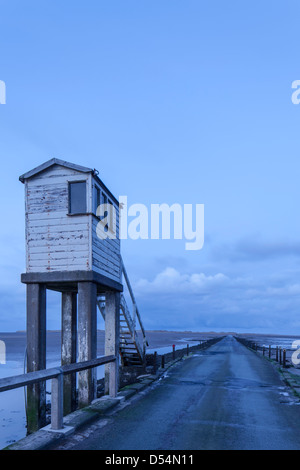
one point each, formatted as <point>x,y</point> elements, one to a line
<point>131,351</point>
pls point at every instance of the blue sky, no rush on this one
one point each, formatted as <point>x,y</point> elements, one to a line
<point>183,102</point>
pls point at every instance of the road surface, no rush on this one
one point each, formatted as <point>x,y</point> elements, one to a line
<point>224,398</point>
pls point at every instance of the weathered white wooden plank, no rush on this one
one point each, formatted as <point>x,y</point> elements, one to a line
<point>59,261</point>
<point>109,272</point>
<point>42,268</point>
<point>57,245</point>
<point>107,269</point>
<point>63,263</point>
<point>46,215</point>
<point>106,244</point>
<point>70,249</point>
<point>38,209</point>
<point>105,273</point>
<point>79,255</point>
<point>96,222</point>
<point>48,190</point>
<point>46,185</point>
<point>54,235</point>
<point>67,220</point>
<point>79,228</point>
<point>114,244</point>
<point>106,256</point>
<point>99,261</point>
<point>56,170</point>
<point>57,180</point>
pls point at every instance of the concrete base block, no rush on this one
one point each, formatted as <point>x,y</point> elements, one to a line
<point>104,404</point>
<point>138,387</point>
<point>127,394</point>
<point>66,430</point>
<point>107,397</point>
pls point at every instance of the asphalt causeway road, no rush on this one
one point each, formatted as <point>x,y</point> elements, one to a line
<point>226,397</point>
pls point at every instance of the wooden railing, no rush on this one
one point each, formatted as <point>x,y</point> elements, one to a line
<point>136,313</point>
<point>131,325</point>
<point>56,375</point>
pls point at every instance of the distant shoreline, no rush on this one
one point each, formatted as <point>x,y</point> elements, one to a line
<point>218,333</point>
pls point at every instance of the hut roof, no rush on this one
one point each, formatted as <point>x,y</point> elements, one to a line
<point>72,166</point>
<point>54,161</point>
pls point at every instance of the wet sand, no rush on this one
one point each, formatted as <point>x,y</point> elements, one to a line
<point>16,342</point>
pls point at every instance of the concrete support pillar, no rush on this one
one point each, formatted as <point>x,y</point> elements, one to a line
<point>68,347</point>
<point>36,355</point>
<point>87,341</point>
<point>112,340</point>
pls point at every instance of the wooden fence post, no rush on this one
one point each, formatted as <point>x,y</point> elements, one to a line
<point>284,358</point>
<point>155,363</point>
<point>57,402</point>
<point>280,351</point>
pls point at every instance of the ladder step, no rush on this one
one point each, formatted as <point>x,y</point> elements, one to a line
<point>127,348</point>
<point>133,357</point>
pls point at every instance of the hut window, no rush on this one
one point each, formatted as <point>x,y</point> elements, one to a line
<point>97,201</point>
<point>77,197</point>
<point>105,201</point>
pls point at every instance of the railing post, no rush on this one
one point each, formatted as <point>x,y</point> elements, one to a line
<point>173,352</point>
<point>163,361</point>
<point>155,363</point>
<point>36,355</point>
<point>112,333</point>
<point>134,319</point>
<point>187,349</point>
<point>69,345</point>
<point>284,358</point>
<point>280,351</point>
<point>87,341</point>
<point>269,351</point>
<point>276,354</point>
<point>57,402</point>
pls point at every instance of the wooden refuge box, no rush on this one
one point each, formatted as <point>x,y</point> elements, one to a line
<point>66,238</point>
<point>73,247</point>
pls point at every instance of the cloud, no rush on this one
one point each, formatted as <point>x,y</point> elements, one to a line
<point>171,281</point>
<point>289,290</point>
<point>200,301</point>
<point>258,250</point>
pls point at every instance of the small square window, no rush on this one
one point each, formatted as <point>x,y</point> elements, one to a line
<point>77,197</point>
